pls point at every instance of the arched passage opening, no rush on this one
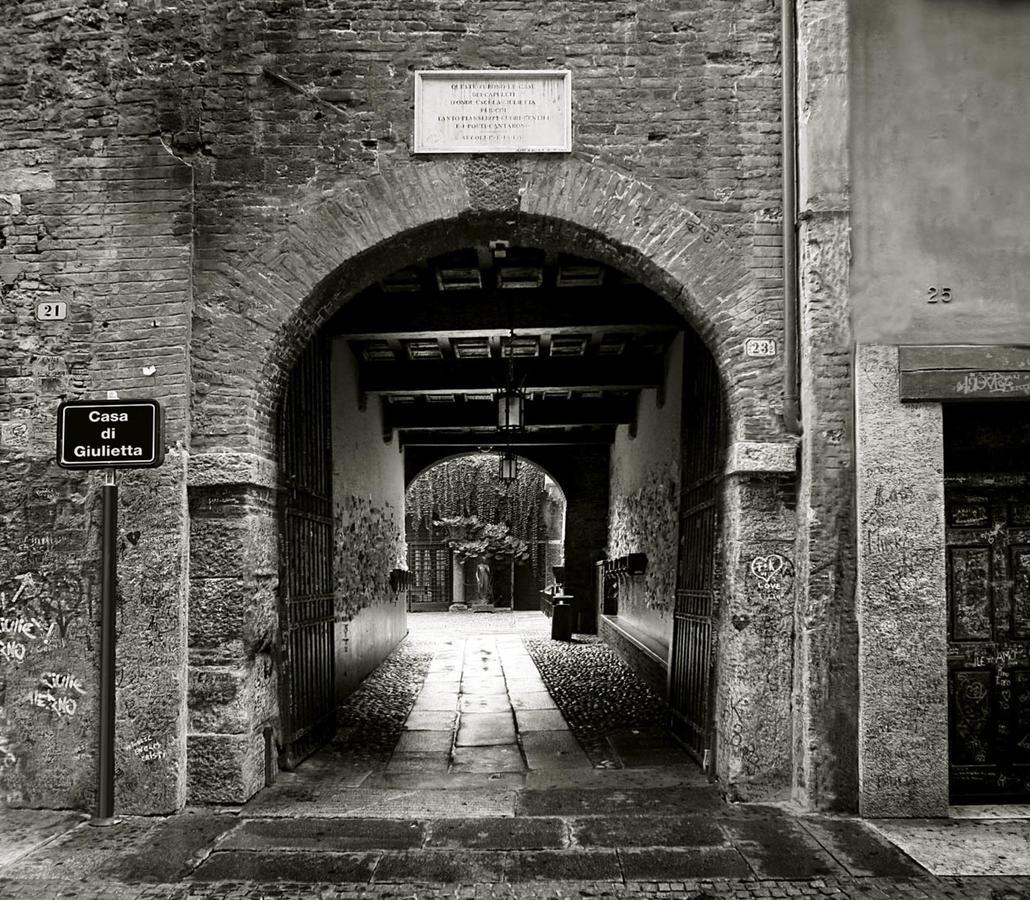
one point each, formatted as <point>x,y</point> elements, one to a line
<point>617,396</point>
<point>484,531</point>
<point>315,267</point>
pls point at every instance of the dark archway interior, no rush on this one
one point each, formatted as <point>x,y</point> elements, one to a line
<point>433,340</point>
<point>436,341</point>
<point>415,364</point>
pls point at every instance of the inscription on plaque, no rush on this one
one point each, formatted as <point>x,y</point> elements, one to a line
<point>493,111</point>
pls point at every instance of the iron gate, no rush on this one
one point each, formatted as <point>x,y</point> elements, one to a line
<point>988,568</point>
<point>307,657</point>
<point>692,661</point>
<point>431,563</point>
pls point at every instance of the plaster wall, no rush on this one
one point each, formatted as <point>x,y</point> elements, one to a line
<point>643,509</point>
<point>368,494</point>
<point>940,123</point>
<point>902,605</point>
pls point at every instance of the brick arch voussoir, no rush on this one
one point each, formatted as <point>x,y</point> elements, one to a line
<point>355,236</point>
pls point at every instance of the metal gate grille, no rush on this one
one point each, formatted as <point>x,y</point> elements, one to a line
<point>690,671</point>
<point>431,563</point>
<point>307,663</point>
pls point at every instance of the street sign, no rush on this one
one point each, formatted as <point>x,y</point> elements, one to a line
<point>110,434</point>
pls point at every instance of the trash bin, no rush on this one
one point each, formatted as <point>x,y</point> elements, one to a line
<point>561,618</point>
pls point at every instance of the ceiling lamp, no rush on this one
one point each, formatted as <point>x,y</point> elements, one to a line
<point>508,470</point>
<point>511,400</point>
<point>511,406</point>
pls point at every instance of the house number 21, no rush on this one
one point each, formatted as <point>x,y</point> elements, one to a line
<point>936,294</point>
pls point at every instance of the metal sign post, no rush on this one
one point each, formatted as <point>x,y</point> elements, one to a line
<point>109,435</point>
<point>108,588</point>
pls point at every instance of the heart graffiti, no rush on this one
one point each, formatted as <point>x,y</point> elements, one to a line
<point>773,571</point>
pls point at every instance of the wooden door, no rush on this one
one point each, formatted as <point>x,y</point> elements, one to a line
<point>988,565</point>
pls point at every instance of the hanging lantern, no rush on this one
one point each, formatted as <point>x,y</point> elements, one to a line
<point>508,469</point>
<point>511,404</point>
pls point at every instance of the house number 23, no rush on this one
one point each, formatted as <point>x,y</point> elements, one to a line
<point>936,294</point>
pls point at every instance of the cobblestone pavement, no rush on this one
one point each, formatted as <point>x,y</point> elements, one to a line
<point>614,714</point>
<point>455,775</point>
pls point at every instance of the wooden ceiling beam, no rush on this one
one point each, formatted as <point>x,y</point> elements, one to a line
<point>460,313</point>
<point>498,440</point>
<point>548,413</point>
<point>478,375</point>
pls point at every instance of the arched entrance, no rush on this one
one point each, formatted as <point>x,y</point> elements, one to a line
<point>422,362</point>
<point>342,246</point>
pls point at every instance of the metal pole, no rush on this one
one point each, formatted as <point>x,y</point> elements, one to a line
<point>108,589</point>
<point>791,398</point>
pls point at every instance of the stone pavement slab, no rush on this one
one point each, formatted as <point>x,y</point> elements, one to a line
<point>441,867</point>
<point>526,685</point>
<point>424,741</point>
<point>540,720</point>
<point>666,864</point>
<point>419,762</point>
<point>640,748</point>
<point>277,865</point>
<point>531,700</point>
<point>325,834</point>
<point>498,834</point>
<point>485,729</point>
<point>633,801</point>
<point>550,865</point>
<point>397,804</point>
<point>962,846</point>
<point>484,703</point>
<point>780,848</point>
<point>23,830</point>
<point>132,849</point>
<point>553,750</point>
<point>450,781</point>
<point>861,850</point>
<point>483,686</point>
<point>505,758</point>
<point>436,700</point>
<point>647,831</point>
<point>430,720</point>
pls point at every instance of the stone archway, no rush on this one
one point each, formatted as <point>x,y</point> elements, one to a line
<point>328,251</point>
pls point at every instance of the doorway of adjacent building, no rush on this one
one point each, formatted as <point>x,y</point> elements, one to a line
<point>987,509</point>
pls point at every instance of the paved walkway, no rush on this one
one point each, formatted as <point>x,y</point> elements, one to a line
<point>485,709</point>
<point>486,793</point>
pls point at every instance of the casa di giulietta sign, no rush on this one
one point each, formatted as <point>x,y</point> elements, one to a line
<point>109,434</point>
<point>493,111</point>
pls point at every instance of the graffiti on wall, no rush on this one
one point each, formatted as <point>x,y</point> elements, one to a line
<point>772,575</point>
<point>146,748</point>
<point>369,546</point>
<point>58,692</point>
<point>8,758</point>
<point>36,613</point>
<point>647,521</point>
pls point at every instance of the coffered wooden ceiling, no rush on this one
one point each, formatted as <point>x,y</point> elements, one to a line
<point>433,340</point>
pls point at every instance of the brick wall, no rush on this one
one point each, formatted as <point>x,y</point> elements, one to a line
<point>156,168</point>
<point>95,213</point>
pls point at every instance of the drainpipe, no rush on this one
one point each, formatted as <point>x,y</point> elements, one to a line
<point>788,40</point>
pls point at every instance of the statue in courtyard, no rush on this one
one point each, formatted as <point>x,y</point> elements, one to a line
<point>484,590</point>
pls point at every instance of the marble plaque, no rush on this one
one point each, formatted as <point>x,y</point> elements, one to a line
<point>493,111</point>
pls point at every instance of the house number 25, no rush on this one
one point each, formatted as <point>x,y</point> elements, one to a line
<point>936,294</point>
